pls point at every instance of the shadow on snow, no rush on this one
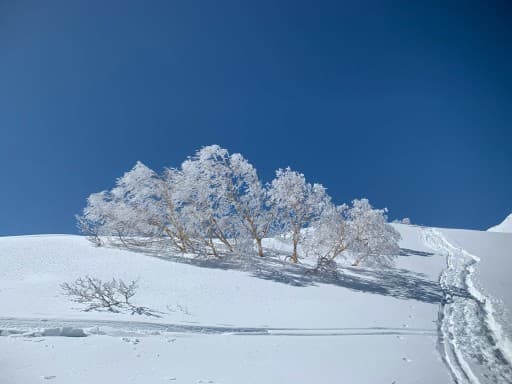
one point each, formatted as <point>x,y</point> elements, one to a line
<point>386,281</point>
<point>412,252</point>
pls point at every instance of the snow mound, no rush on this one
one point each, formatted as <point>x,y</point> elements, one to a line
<point>9,332</point>
<point>505,226</point>
<point>60,331</point>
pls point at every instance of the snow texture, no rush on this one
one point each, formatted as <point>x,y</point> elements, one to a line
<point>504,226</point>
<point>438,316</point>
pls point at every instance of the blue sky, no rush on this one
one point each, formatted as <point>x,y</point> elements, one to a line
<point>406,103</point>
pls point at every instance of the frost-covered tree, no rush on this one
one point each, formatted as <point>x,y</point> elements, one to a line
<point>358,230</point>
<point>328,236</point>
<point>105,217</point>
<point>174,219</point>
<point>216,203</point>
<point>249,199</point>
<point>297,202</point>
<point>202,191</point>
<point>406,221</point>
<point>136,197</point>
<point>127,211</point>
<point>371,238</point>
<point>95,217</point>
<point>225,198</point>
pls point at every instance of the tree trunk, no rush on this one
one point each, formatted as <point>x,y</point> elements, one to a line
<point>358,260</point>
<point>260,247</point>
<point>295,257</point>
<point>212,246</point>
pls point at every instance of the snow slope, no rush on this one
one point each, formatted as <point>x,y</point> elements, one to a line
<point>229,323</point>
<point>474,344</point>
<point>504,226</point>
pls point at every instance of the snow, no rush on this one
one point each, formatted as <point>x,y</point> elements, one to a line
<point>223,323</point>
<point>491,279</point>
<point>222,359</point>
<point>495,265</point>
<point>504,226</point>
<point>32,268</point>
<point>469,330</point>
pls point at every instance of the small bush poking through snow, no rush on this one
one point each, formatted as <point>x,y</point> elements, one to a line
<point>113,296</point>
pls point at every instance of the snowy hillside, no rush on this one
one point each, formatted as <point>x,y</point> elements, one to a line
<point>440,315</point>
<point>504,226</point>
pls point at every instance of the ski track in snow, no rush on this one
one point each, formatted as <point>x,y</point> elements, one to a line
<point>471,341</point>
<point>71,327</point>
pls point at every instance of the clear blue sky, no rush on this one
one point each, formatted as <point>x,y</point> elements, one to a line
<point>407,103</point>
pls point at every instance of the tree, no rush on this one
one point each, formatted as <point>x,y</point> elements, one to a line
<point>297,203</point>
<point>137,203</point>
<point>173,217</point>
<point>371,238</point>
<point>224,198</point>
<point>328,236</point>
<point>113,296</point>
<point>202,191</point>
<point>127,211</point>
<point>249,199</point>
<point>94,217</point>
<point>359,230</point>
<point>406,221</point>
<point>216,203</point>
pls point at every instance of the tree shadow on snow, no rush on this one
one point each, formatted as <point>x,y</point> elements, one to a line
<point>412,252</point>
<point>398,283</point>
<point>386,281</point>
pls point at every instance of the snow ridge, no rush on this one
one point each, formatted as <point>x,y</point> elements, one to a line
<point>471,341</point>
<point>81,328</point>
<point>504,226</point>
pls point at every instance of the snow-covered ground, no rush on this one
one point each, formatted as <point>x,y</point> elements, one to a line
<point>474,343</point>
<point>267,322</point>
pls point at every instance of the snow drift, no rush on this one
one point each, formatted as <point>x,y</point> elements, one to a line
<point>504,226</point>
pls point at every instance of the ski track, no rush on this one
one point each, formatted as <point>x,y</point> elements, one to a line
<point>38,326</point>
<point>471,341</point>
